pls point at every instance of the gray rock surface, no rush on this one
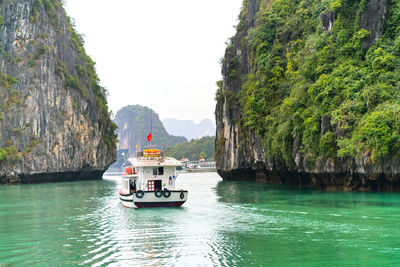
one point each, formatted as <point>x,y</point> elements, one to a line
<point>327,19</point>
<point>51,122</point>
<point>373,20</point>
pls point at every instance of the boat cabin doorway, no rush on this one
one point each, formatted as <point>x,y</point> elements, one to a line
<point>132,186</point>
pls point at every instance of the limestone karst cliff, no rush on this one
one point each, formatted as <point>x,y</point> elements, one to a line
<point>310,95</point>
<point>135,122</point>
<point>54,120</point>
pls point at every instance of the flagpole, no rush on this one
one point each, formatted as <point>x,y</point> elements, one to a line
<point>151,123</point>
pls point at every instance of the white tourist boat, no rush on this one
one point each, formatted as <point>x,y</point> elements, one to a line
<point>150,181</point>
<point>205,166</point>
<point>200,165</point>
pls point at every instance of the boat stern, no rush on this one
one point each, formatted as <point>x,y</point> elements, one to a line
<point>156,199</point>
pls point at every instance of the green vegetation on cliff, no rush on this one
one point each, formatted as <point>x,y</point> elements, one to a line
<point>85,75</point>
<point>87,72</point>
<point>332,89</point>
<point>192,150</point>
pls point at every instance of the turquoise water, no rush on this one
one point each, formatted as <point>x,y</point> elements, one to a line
<point>221,224</point>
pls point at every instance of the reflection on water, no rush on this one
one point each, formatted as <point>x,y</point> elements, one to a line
<point>221,224</point>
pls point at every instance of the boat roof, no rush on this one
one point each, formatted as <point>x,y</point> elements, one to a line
<point>154,162</point>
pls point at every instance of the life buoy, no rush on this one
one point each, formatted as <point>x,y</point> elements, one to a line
<point>167,193</point>
<point>158,193</point>
<point>182,195</point>
<point>139,193</point>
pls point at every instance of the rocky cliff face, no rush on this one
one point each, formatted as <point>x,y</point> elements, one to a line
<point>236,158</point>
<point>242,151</point>
<point>54,123</point>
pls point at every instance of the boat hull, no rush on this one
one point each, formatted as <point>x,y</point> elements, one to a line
<point>149,199</point>
<point>159,204</point>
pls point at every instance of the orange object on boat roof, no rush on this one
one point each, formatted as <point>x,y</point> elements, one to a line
<point>153,150</point>
<point>151,153</point>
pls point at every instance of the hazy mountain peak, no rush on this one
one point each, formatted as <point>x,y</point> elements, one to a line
<point>189,128</point>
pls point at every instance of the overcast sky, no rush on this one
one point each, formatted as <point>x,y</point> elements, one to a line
<point>159,53</point>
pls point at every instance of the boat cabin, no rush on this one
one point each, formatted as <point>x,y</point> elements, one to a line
<point>150,172</point>
<point>157,177</point>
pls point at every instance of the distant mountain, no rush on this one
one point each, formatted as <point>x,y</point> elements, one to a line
<point>189,128</point>
<point>134,124</point>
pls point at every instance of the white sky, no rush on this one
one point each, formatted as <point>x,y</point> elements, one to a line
<point>159,53</point>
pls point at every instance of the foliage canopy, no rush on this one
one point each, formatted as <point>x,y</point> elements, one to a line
<point>192,150</point>
<point>326,89</point>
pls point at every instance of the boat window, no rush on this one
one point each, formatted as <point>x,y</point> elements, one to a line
<point>158,171</point>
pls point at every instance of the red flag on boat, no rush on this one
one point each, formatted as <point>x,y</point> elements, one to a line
<point>149,138</point>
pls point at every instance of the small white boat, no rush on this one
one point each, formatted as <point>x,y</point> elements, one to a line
<point>150,181</point>
<point>200,166</point>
